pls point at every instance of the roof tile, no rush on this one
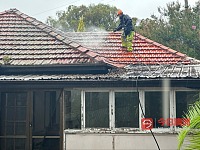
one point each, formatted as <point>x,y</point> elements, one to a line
<point>67,41</point>
<point>53,33</point>
<point>59,37</point>
<point>41,26</point>
<point>146,51</point>
<point>30,19</point>
<point>73,44</point>
<point>83,49</point>
<point>28,41</point>
<point>91,53</point>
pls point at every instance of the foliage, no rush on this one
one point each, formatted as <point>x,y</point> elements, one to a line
<point>176,27</point>
<point>194,128</point>
<point>6,60</point>
<point>101,16</point>
<point>81,25</point>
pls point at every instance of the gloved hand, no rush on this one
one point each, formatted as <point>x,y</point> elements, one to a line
<point>114,30</point>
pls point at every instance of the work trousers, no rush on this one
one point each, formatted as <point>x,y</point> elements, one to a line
<point>127,41</point>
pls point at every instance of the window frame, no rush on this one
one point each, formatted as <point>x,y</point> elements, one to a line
<point>178,129</point>
<point>111,109</point>
<point>171,110</point>
<point>112,128</point>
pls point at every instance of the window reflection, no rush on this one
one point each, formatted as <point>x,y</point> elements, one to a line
<point>72,109</point>
<point>97,109</point>
<point>184,99</point>
<point>154,106</point>
<point>126,109</point>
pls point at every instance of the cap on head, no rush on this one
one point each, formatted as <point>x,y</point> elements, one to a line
<point>119,12</point>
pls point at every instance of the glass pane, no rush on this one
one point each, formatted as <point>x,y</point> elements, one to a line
<point>2,128</point>
<point>10,144</point>
<point>20,114</point>
<point>46,144</point>
<point>2,114</point>
<point>73,109</point>
<point>20,144</point>
<point>46,113</point>
<point>184,99</point>
<point>9,128</point>
<point>21,99</point>
<point>97,109</point>
<point>10,113</point>
<point>126,110</point>
<point>38,113</point>
<point>2,143</point>
<point>20,128</point>
<point>10,97</point>
<point>155,106</point>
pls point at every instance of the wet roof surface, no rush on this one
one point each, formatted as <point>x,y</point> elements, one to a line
<point>30,42</point>
<point>145,50</point>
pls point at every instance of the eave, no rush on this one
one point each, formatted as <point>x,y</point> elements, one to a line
<point>92,84</point>
<point>54,69</point>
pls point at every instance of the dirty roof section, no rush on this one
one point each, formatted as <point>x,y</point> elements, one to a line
<point>129,73</point>
<point>26,41</point>
<point>145,50</point>
<point>162,71</point>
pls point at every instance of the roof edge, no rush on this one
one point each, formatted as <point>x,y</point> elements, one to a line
<point>161,46</point>
<point>54,69</point>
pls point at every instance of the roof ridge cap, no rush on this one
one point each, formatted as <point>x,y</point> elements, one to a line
<point>193,60</point>
<point>8,11</point>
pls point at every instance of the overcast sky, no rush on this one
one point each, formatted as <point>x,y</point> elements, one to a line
<point>41,9</point>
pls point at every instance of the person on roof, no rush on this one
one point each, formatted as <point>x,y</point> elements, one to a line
<point>127,35</point>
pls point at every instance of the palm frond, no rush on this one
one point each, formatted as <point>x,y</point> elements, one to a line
<point>193,114</point>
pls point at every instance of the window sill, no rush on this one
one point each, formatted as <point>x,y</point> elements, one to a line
<point>119,131</point>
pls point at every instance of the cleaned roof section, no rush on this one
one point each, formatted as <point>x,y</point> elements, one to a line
<point>27,41</point>
<point>145,50</point>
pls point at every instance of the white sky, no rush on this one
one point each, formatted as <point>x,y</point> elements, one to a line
<point>41,9</point>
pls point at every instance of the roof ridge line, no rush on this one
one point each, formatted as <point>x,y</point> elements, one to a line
<point>8,11</point>
<point>59,35</point>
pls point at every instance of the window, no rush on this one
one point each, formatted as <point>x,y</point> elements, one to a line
<point>183,101</point>
<point>72,109</point>
<point>126,110</point>
<point>120,109</point>
<point>13,114</point>
<point>97,109</point>
<point>157,108</point>
<point>13,120</point>
<point>46,112</point>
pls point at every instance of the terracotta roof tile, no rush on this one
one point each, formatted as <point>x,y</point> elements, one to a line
<point>30,42</point>
<point>83,49</point>
<point>145,51</point>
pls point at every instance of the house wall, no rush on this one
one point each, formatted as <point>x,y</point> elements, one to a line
<point>119,141</point>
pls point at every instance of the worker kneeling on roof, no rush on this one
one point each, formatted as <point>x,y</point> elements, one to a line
<point>127,35</point>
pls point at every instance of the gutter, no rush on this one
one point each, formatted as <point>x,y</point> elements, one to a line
<point>54,69</point>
